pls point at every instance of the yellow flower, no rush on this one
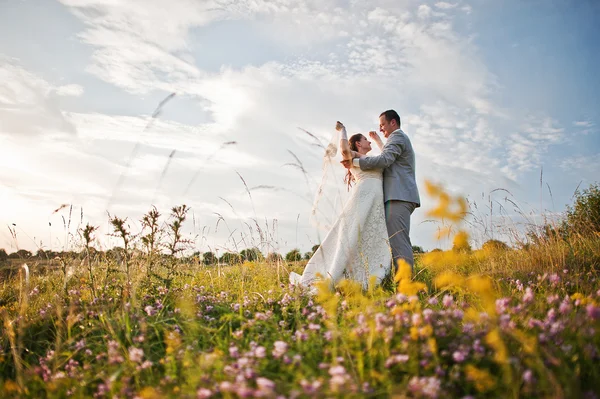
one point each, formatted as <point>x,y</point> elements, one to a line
<point>414,333</point>
<point>450,279</point>
<point>432,343</point>
<point>482,379</point>
<point>426,331</point>
<point>11,386</point>
<point>482,286</point>
<point>149,393</point>
<point>529,342</point>
<point>461,240</point>
<point>494,340</point>
<point>405,285</point>
<point>577,296</point>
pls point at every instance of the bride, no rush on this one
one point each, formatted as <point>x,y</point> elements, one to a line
<point>357,246</point>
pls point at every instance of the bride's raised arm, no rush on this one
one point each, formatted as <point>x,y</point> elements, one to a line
<point>347,153</point>
<point>375,137</point>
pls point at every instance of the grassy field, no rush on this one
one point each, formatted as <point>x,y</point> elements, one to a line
<point>496,322</point>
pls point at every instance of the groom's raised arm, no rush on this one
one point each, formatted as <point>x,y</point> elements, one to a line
<point>391,151</point>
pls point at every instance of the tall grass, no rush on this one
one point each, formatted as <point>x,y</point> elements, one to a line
<point>494,322</point>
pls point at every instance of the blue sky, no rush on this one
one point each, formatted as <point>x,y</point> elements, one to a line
<point>489,92</point>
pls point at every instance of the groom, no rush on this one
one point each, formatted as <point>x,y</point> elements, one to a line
<point>401,195</point>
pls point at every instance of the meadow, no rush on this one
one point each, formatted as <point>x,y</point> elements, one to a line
<point>500,321</point>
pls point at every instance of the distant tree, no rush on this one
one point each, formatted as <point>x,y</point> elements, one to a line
<point>293,256</point>
<point>274,257</point>
<point>230,258</point>
<point>3,255</point>
<point>41,254</point>
<point>494,245</point>
<point>209,258</point>
<point>251,254</point>
<point>20,254</point>
<point>417,249</point>
<point>583,217</point>
<point>436,250</point>
<point>312,251</point>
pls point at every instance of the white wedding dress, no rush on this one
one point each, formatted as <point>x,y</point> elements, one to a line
<point>357,246</point>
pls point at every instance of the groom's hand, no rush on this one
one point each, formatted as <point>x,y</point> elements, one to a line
<point>347,163</point>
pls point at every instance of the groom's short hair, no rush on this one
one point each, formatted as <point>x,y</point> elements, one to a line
<point>391,115</point>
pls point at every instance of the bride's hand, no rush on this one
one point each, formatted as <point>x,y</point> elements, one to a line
<point>339,126</point>
<point>374,136</point>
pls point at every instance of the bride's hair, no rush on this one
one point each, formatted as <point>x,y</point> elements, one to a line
<point>355,138</point>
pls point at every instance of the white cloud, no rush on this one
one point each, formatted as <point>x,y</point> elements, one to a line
<point>28,103</point>
<point>583,123</point>
<point>527,146</point>
<point>445,6</point>
<point>424,11</point>
<point>580,163</point>
<point>70,90</point>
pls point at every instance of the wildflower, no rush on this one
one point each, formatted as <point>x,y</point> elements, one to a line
<point>448,300</point>
<point>392,360</point>
<point>459,356</point>
<point>554,278</point>
<point>428,387</point>
<point>136,354</point>
<point>564,307</point>
<point>238,334</point>
<point>265,384</point>
<point>528,296</point>
<point>260,352</point>
<point>552,299</point>
<point>338,377</point>
<point>102,390</point>
<point>203,393</point>
<point>226,386</point>
<point>234,352</point>
<point>426,331</point>
<point>468,328</point>
<point>280,348</point>
<point>147,364</point>
<point>427,315</point>
<point>80,344</point>
<point>528,376</point>
<point>502,305</point>
<point>114,357</point>
<point>310,388</point>
<point>494,340</point>
<point>416,319</point>
<point>482,379</point>
<point>593,311</point>
<point>150,311</point>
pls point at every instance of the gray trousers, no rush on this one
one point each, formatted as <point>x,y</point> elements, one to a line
<point>397,219</point>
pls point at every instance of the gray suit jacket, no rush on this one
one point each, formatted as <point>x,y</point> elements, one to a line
<point>397,160</point>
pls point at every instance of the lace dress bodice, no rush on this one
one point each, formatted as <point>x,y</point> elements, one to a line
<point>360,174</point>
